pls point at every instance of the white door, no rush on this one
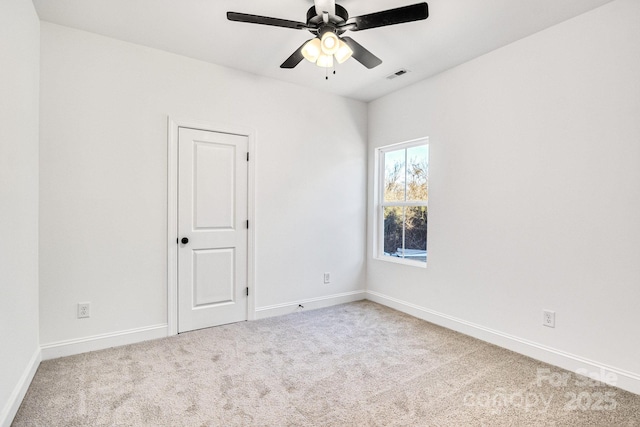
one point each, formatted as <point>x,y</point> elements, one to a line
<point>212,229</point>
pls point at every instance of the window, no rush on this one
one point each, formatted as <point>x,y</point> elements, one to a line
<point>403,171</point>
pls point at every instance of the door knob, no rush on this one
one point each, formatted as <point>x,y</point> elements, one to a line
<point>184,240</point>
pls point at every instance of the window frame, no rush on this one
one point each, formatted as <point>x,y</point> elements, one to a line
<point>380,203</point>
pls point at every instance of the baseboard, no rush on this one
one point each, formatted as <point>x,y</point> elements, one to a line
<point>624,379</point>
<point>309,304</point>
<point>13,404</point>
<point>99,342</point>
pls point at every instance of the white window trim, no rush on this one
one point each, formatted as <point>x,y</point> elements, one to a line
<point>379,203</point>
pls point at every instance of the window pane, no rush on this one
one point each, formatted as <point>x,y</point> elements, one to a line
<point>417,173</point>
<point>403,183</point>
<point>392,235</point>
<point>394,176</point>
<point>415,233</point>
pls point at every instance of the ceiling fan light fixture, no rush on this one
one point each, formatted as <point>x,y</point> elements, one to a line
<point>330,43</point>
<point>343,53</point>
<point>312,50</point>
<point>325,61</point>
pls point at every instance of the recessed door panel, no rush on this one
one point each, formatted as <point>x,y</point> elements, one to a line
<point>214,186</point>
<point>213,277</point>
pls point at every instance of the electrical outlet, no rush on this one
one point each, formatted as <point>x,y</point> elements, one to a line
<point>327,278</point>
<point>549,318</point>
<point>84,310</point>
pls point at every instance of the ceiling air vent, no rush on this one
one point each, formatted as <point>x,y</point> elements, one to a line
<point>398,73</point>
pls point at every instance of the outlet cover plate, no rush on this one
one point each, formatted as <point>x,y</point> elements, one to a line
<point>84,310</point>
<point>549,318</point>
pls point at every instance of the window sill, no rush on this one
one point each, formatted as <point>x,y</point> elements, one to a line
<point>403,261</point>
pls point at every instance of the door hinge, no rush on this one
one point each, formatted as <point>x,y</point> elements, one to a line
<point>247,156</point>
<point>247,224</point>
<point>247,291</point>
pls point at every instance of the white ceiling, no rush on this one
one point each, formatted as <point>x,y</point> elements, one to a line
<point>455,32</point>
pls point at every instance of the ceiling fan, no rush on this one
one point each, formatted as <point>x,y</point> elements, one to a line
<point>328,21</point>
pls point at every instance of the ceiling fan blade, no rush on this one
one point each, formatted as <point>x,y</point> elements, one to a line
<point>325,6</point>
<point>361,54</point>
<point>295,58</point>
<point>265,20</point>
<point>415,12</point>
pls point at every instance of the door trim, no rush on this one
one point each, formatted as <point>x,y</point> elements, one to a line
<point>173,125</point>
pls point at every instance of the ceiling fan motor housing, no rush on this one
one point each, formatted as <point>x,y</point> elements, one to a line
<point>315,20</point>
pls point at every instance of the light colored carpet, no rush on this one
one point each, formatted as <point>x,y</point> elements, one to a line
<point>358,364</point>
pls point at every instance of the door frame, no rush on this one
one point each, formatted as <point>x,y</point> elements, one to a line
<point>173,126</point>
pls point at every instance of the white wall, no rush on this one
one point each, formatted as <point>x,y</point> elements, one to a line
<point>103,180</point>
<point>19,74</point>
<point>534,191</point>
